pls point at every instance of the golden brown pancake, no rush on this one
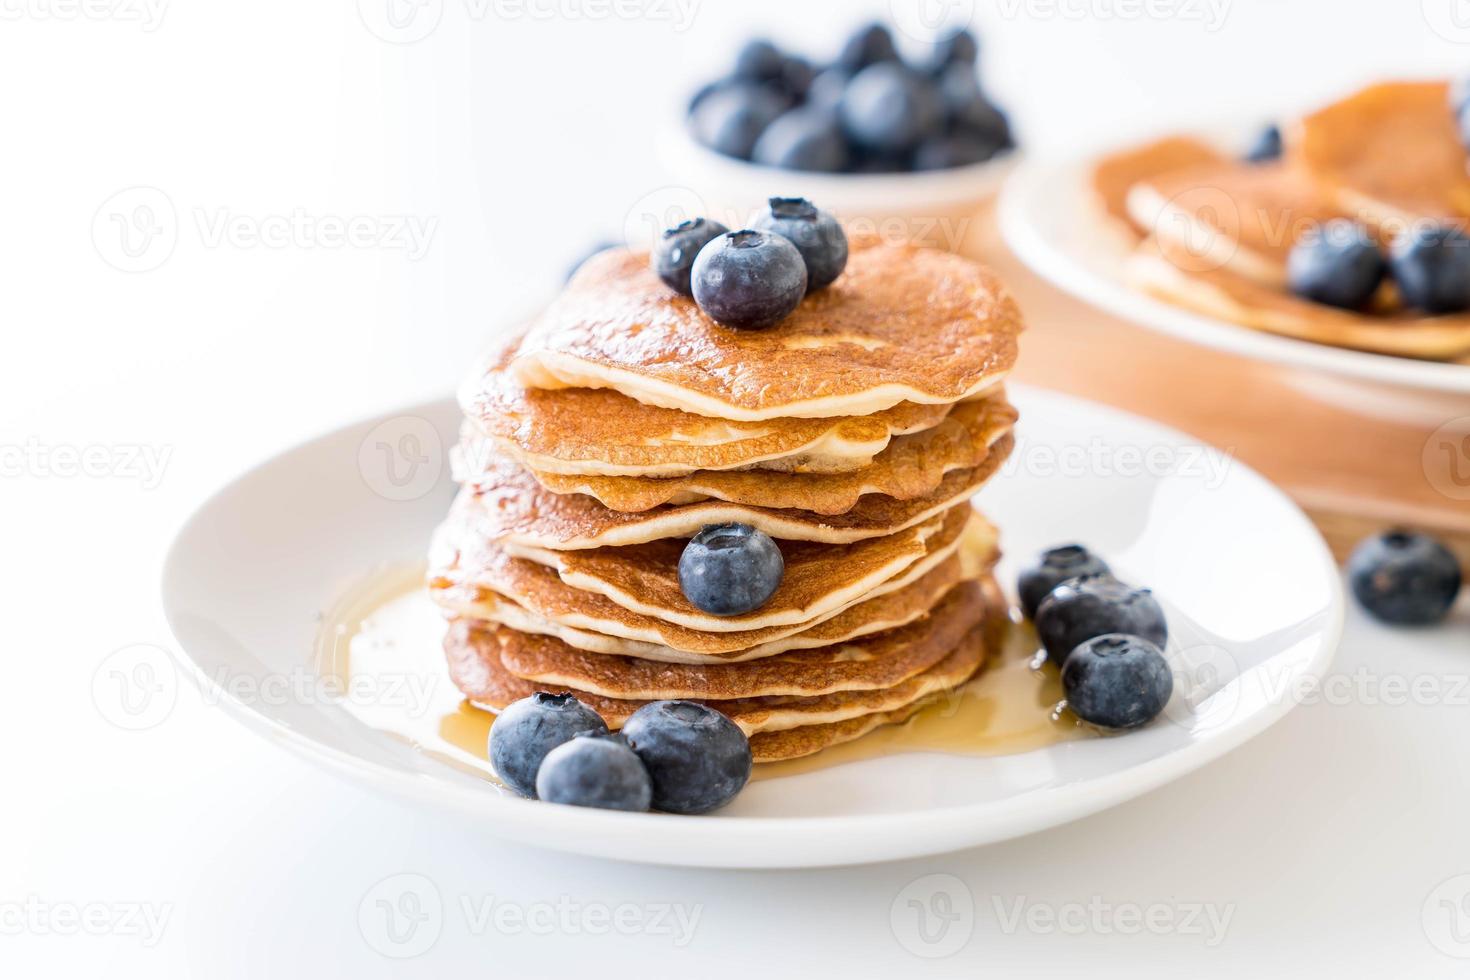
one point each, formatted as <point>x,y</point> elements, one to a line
<point>1115,175</point>
<point>1237,216</point>
<point>510,506</point>
<point>1220,293</point>
<point>900,324</point>
<point>602,433</point>
<point>1389,154</point>
<point>911,467</point>
<point>877,661</point>
<point>475,665</point>
<point>819,578</point>
<point>461,574</point>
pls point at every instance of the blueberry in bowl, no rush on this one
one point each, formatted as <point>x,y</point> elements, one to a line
<point>1404,579</point>
<point>1079,609</point>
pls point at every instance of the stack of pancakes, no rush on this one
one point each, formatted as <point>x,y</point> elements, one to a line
<point>1212,233</point>
<point>854,433</point>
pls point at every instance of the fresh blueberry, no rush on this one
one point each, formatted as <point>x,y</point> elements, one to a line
<point>1117,681</point>
<point>1266,146</point>
<point>953,150</point>
<point>890,108</point>
<point>869,45</point>
<point>530,728</point>
<point>731,119</point>
<point>959,48</point>
<point>697,758</point>
<point>748,279</point>
<point>1431,265</point>
<point>705,91</point>
<point>816,234</point>
<point>1404,578</point>
<point>674,252</point>
<point>730,569</point>
<point>1081,608</point>
<point>595,770</point>
<point>881,163</point>
<point>803,139</point>
<point>825,92</point>
<point>968,111</point>
<point>1338,264</point>
<point>1055,566</point>
<point>759,61</point>
<point>796,77</point>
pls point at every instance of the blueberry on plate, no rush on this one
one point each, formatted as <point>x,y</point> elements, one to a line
<point>1079,609</point>
<point>675,250</point>
<point>1117,681</point>
<point>759,61</point>
<point>1338,264</point>
<point>731,119</point>
<point>595,770</point>
<point>696,757</point>
<point>1055,566</point>
<point>730,569</point>
<point>1404,578</point>
<point>1266,146</point>
<point>803,139</point>
<point>869,45</point>
<point>530,728</point>
<point>890,108</point>
<point>748,279</point>
<point>816,234</point>
<point>1431,264</point>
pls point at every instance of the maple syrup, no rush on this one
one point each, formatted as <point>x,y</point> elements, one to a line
<point>381,643</point>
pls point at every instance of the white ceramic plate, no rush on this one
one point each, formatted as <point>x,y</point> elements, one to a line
<point>1253,597</point>
<point>1050,220</point>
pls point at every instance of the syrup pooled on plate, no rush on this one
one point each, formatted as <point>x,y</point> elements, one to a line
<point>381,643</point>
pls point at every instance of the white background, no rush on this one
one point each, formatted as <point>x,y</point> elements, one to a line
<point>523,137</point>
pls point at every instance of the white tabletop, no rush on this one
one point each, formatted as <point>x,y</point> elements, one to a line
<point>471,166</point>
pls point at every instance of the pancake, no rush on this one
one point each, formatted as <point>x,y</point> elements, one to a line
<point>510,506</point>
<point>819,578</point>
<point>1115,175</point>
<point>1238,216</point>
<point>1390,154</point>
<point>475,665</point>
<point>793,743</point>
<point>877,661</point>
<point>902,323</point>
<point>1220,293</point>
<point>598,432</point>
<point>911,467</point>
<point>537,590</point>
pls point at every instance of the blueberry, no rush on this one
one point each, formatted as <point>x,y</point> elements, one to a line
<point>825,92</point>
<point>1055,566</point>
<point>890,108</point>
<point>705,91</point>
<point>959,48</point>
<point>1081,608</point>
<point>796,78</point>
<point>731,119</point>
<point>1266,146</point>
<point>954,150</point>
<point>730,569</point>
<point>759,61</point>
<point>697,758</point>
<point>869,45</point>
<point>1404,578</point>
<point>881,163</point>
<point>528,729</point>
<point>1431,264</point>
<point>674,252</point>
<point>748,279</point>
<point>816,234</point>
<point>967,110</point>
<point>595,770</point>
<point>803,139</point>
<point>1338,264</point>
<point>1117,681</point>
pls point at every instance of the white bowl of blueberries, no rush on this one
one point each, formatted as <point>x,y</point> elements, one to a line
<point>903,146</point>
